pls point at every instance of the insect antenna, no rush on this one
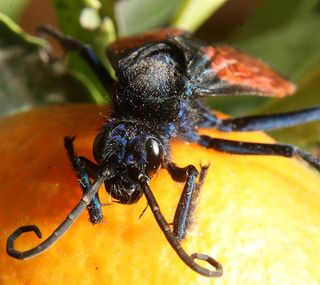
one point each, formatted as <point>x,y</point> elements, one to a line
<point>60,230</point>
<point>189,260</point>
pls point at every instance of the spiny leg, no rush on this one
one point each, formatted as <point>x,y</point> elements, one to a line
<point>85,51</point>
<point>183,217</point>
<point>189,260</point>
<point>263,122</point>
<point>248,148</point>
<point>85,168</point>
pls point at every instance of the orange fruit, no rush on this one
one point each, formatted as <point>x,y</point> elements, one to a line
<point>258,216</point>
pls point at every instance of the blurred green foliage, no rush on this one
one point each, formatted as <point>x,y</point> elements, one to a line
<point>12,8</point>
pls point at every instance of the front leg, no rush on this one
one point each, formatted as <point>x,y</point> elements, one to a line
<point>183,217</point>
<point>84,167</point>
<point>189,260</point>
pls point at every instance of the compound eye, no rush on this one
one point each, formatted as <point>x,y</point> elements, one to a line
<point>154,156</point>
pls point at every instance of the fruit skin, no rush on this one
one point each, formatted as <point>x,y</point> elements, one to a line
<point>259,216</point>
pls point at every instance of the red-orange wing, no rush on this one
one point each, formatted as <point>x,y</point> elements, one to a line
<point>123,45</point>
<point>225,70</point>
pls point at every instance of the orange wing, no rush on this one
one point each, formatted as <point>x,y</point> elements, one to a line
<point>213,70</point>
<point>234,72</point>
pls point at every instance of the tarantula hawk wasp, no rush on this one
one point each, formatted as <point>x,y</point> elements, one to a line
<point>162,77</point>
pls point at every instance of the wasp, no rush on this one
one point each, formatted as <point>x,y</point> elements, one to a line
<point>162,79</point>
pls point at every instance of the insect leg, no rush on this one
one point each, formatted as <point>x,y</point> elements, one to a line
<point>207,119</point>
<point>269,122</point>
<point>189,260</point>
<point>187,203</point>
<point>248,148</point>
<point>85,51</point>
<point>85,168</point>
<point>60,230</point>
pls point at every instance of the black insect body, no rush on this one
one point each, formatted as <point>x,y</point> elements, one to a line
<point>162,78</point>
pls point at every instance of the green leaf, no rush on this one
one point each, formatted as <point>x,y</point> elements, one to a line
<point>192,13</point>
<point>25,80</point>
<point>11,34</point>
<point>70,15</point>
<point>272,14</point>
<point>140,15</point>
<point>293,49</point>
<point>13,8</point>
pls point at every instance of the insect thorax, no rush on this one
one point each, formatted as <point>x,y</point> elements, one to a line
<point>151,87</point>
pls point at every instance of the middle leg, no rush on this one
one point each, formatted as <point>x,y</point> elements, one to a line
<point>260,122</point>
<point>249,148</point>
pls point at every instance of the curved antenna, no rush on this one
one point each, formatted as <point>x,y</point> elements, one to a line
<point>189,260</point>
<point>59,231</point>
